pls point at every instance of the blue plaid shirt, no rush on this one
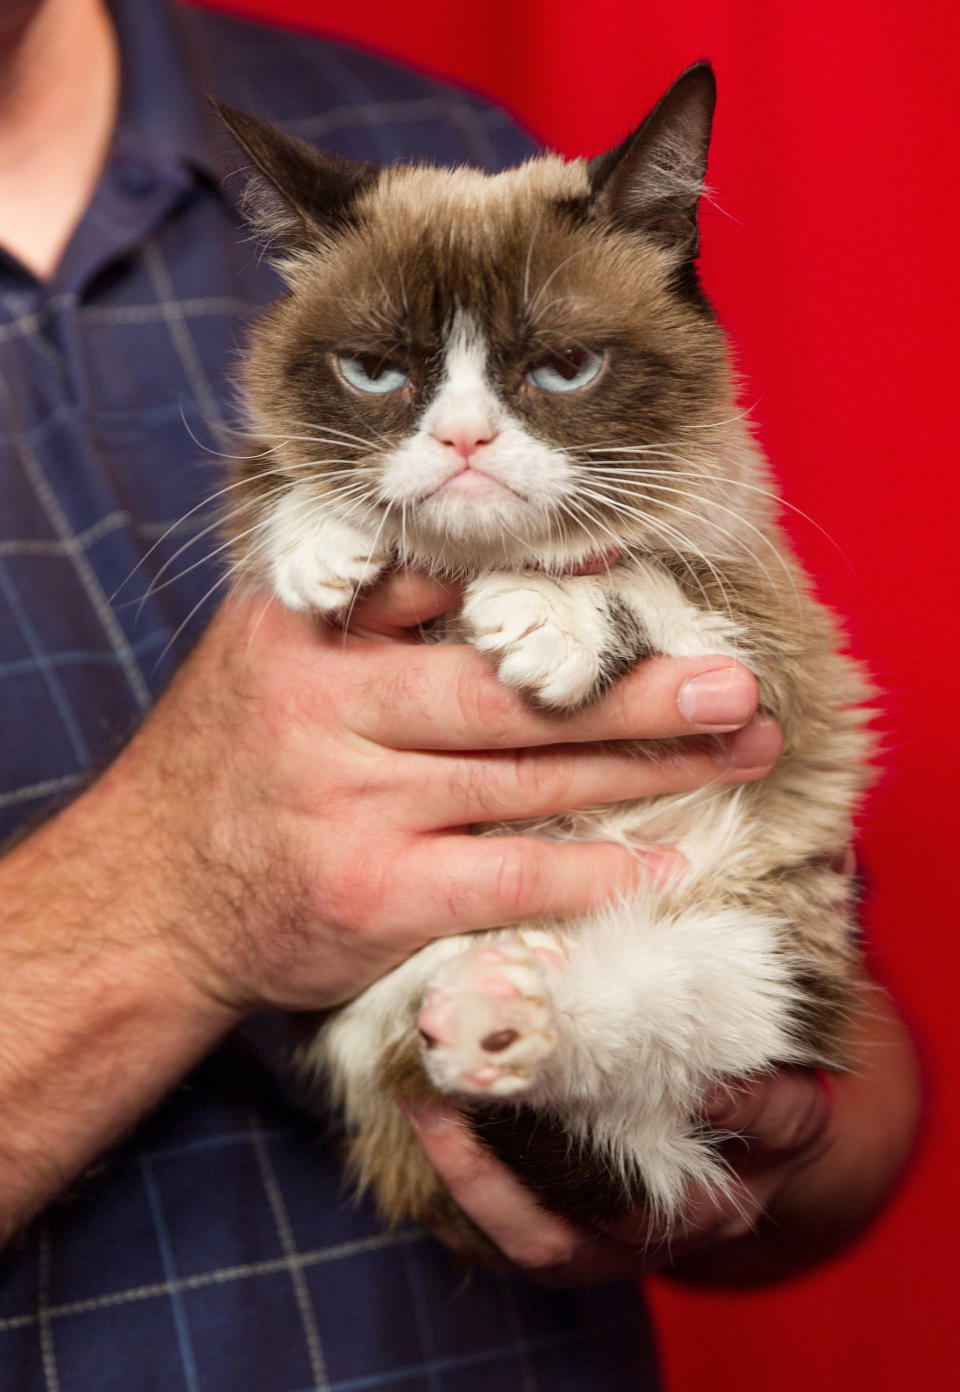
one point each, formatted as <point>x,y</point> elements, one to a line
<point>217,1250</point>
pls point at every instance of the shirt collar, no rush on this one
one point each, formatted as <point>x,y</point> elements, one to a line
<point>164,115</point>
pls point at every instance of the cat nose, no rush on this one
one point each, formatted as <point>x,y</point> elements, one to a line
<point>466,440</point>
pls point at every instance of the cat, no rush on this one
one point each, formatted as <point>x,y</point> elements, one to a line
<point>502,378</point>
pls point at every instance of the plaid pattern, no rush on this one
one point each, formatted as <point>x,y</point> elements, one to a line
<point>216,1251</point>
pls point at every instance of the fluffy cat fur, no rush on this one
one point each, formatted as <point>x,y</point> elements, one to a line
<point>435,319</point>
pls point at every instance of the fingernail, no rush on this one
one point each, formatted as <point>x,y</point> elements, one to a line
<point>756,746</point>
<point>432,1121</point>
<point>722,699</point>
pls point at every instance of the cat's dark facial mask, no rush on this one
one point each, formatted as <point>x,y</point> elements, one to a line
<point>477,365</point>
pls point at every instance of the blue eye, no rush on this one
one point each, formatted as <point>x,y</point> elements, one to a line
<point>566,370</point>
<point>369,373</point>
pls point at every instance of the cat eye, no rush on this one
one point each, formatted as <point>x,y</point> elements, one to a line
<point>566,370</point>
<point>370,373</point>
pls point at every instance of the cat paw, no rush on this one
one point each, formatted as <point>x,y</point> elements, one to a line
<point>324,575</point>
<point>546,636</point>
<point>487,1023</point>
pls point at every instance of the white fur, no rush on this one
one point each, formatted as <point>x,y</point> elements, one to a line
<point>653,989</point>
<point>652,1000</point>
<point>315,561</point>
<point>547,635</point>
<point>674,626</point>
<point>486,990</point>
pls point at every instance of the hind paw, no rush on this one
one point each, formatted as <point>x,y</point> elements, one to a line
<point>487,1022</point>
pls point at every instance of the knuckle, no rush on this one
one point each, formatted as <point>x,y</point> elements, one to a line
<point>544,779</point>
<point>486,707</point>
<point>537,1252</point>
<point>519,877</point>
<point>353,903</point>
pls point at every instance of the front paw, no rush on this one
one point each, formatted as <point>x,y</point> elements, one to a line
<point>547,636</point>
<point>323,574</point>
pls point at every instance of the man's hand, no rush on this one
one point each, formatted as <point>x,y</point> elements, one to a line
<point>813,1158</point>
<point>314,790</point>
<point>290,823</point>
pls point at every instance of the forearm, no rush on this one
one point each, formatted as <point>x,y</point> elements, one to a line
<point>823,1207</point>
<point>98,1019</point>
<point>279,833</point>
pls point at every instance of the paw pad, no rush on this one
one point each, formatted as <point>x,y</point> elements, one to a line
<point>487,1023</point>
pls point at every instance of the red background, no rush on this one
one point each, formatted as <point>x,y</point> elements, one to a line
<point>833,263</point>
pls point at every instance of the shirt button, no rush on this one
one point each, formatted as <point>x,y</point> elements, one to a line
<point>134,180</point>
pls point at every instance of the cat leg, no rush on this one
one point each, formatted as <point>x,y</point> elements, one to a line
<point>564,640</point>
<point>616,1031</point>
<point>656,1002</point>
<point>315,561</point>
<point>645,595</point>
<point>552,638</point>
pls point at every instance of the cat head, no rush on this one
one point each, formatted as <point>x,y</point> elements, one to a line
<point>492,369</point>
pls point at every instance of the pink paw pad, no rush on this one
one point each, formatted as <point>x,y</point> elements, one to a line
<point>487,1022</point>
<point>435,1021</point>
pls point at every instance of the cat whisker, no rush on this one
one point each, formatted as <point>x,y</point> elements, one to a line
<point>204,502</point>
<point>731,536</point>
<point>156,585</point>
<point>661,447</point>
<point>356,594</point>
<point>529,260</point>
<point>774,497</point>
<point>221,519</point>
<point>332,442</point>
<point>328,429</point>
<point>586,521</point>
<point>270,600</point>
<point>664,529</point>
<point>195,610</point>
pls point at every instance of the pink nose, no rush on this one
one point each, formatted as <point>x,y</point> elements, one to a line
<point>467,441</point>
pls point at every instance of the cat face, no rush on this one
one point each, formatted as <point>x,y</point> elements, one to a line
<point>475,367</point>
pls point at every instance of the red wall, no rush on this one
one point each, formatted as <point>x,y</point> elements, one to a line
<point>831,255</point>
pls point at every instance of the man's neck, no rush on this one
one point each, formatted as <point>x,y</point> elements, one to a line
<point>59,87</point>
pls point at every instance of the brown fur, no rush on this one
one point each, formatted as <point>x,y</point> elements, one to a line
<point>538,258</point>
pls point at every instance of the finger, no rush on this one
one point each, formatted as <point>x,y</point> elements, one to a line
<point>538,782</point>
<point>448,697</point>
<point>543,1244</point>
<point>464,883</point>
<point>784,1117</point>
<point>710,1215</point>
<point>777,1123</point>
<point>402,600</point>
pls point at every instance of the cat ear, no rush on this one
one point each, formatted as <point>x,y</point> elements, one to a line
<point>297,193</point>
<point>653,180</point>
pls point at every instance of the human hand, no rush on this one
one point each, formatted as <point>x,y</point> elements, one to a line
<point>310,791</point>
<point>778,1125</point>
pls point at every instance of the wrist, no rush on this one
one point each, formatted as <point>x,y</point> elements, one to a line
<point>100,1019</point>
<point>101,891</point>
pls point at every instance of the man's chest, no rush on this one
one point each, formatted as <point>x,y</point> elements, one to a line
<point>113,407</point>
